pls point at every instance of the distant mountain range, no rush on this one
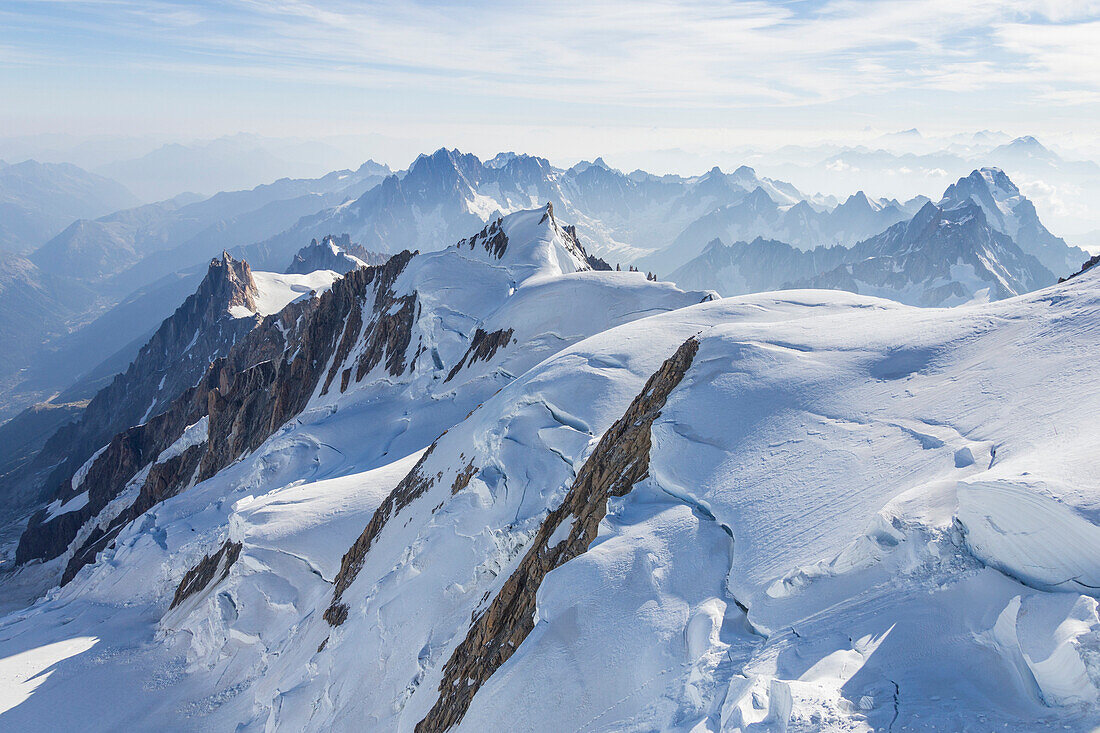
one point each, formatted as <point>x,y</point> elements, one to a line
<point>622,216</point>
<point>982,241</point>
<point>38,200</point>
<point>801,225</point>
<point>53,300</point>
<point>96,291</point>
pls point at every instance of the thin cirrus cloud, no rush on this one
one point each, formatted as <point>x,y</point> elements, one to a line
<point>678,56</point>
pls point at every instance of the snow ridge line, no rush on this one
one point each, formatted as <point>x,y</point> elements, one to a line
<point>620,460</point>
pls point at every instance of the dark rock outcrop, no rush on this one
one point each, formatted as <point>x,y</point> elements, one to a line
<point>483,346</point>
<point>492,239</point>
<point>173,360</point>
<point>415,483</point>
<point>1089,263</point>
<point>211,570</point>
<point>620,460</point>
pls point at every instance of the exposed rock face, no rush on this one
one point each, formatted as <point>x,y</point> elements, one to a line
<point>1089,263</point>
<point>211,570</point>
<point>362,328</point>
<point>173,360</point>
<point>483,346</point>
<point>620,460</point>
<point>492,239</point>
<point>245,396</point>
<point>412,486</point>
<point>333,253</point>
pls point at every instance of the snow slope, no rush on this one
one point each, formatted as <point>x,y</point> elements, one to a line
<point>276,290</point>
<point>450,330</point>
<point>856,515</point>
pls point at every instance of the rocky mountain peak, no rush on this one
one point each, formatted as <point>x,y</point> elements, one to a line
<point>858,201</point>
<point>501,159</point>
<point>336,253</point>
<point>713,244</point>
<point>531,241</point>
<point>1010,212</point>
<point>228,283</point>
<point>759,199</point>
<point>374,168</point>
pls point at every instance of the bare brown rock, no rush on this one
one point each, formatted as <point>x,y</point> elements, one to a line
<point>262,382</point>
<point>412,486</point>
<point>483,346</point>
<point>492,239</point>
<point>212,569</point>
<point>173,360</point>
<point>621,460</point>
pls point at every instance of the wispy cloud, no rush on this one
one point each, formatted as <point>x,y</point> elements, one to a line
<point>686,55</point>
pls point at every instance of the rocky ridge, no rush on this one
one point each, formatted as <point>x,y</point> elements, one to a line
<point>174,359</point>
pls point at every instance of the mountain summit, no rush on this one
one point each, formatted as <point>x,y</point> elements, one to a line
<point>1010,212</point>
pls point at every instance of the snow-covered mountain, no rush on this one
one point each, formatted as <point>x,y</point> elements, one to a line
<point>797,511</point>
<point>800,224</point>
<point>420,340</point>
<point>230,301</point>
<point>946,254</point>
<point>1011,213</point>
<point>446,193</point>
<point>941,257</point>
<point>338,254</point>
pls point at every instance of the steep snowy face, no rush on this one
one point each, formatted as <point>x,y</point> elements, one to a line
<point>528,243</point>
<point>418,342</point>
<point>1010,212</point>
<point>818,510</point>
<point>796,511</point>
<point>991,189</point>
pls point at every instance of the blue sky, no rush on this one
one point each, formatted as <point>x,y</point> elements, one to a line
<point>560,72</point>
